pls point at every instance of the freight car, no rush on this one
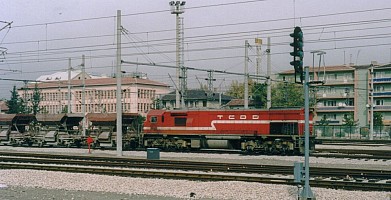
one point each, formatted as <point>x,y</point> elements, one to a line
<point>102,128</point>
<point>14,129</point>
<point>58,130</point>
<point>273,131</point>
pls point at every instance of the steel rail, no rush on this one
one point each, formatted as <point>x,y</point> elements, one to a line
<point>190,165</point>
<point>347,185</point>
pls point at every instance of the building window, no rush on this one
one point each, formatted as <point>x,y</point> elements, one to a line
<point>331,90</point>
<point>331,76</point>
<point>379,88</point>
<point>348,76</point>
<point>379,74</point>
<point>350,102</point>
<point>379,102</point>
<point>204,104</point>
<point>331,103</point>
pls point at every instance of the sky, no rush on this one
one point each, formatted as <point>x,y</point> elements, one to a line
<point>44,34</point>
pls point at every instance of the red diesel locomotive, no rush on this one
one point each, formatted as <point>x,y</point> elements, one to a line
<point>268,131</point>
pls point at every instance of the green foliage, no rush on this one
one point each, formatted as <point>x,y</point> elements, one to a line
<point>287,95</point>
<point>323,121</point>
<point>137,123</point>
<point>259,93</point>
<point>283,94</point>
<point>348,120</point>
<point>36,100</point>
<point>15,103</point>
<point>378,119</point>
<point>236,90</point>
<point>64,109</point>
<point>157,104</point>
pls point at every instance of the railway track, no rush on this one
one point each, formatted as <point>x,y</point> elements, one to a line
<point>356,142</point>
<point>354,154</point>
<point>319,153</point>
<point>324,177</point>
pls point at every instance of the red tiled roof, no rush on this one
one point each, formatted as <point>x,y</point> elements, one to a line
<point>239,102</point>
<point>98,82</point>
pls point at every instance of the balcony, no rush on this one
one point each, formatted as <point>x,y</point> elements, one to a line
<point>335,109</point>
<point>377,94</point>
<point>337,95</point>
<point>339,82</point>
<point>382,108</point>
<point>330,122</point>
<point>382,80</point>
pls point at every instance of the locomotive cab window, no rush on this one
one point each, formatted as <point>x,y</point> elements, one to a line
<point>153,119</point>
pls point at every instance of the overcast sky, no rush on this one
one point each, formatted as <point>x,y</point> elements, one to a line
<point>45,33</point>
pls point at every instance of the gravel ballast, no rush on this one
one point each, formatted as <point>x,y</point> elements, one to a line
<point>32,184</point>
<point>141,188</point>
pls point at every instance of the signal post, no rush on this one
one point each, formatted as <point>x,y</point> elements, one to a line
<point>297,64</point>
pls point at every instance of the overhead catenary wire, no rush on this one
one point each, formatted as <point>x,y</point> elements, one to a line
<point>72,49</point>
<point>109,56</point>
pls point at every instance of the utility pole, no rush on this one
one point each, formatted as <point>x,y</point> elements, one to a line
<point>246,74</point>
<point>210,80</point>
<point>83,94</point>
<point>118,77</point>
<point>177,8</point>
<point>59,96</point>
<point>371,106</point>
<point>269,72</point>
<point>306,193</point>
<point>69,85</point>
<point>258,43</point>
<point>321,53</point>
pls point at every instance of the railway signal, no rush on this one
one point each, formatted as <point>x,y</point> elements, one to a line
<point>297,54</point>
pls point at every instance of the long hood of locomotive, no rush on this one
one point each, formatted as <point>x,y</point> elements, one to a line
<point>223,126</point>
<point>223,122</point>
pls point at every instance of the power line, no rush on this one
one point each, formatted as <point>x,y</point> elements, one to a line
<point>132,14</point>
<point>199,41</point>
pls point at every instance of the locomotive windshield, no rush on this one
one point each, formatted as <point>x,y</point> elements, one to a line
<point>153,119</point>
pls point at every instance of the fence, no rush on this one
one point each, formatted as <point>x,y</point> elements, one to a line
<point>352,132</point>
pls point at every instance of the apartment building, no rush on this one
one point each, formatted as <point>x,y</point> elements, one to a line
<point>196,98</point>
<point>347,90</point>
<point>138,94</point>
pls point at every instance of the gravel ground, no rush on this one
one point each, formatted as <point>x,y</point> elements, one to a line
<point>30,193</point>
<point>31,184</point>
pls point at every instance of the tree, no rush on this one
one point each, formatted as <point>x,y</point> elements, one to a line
<point>287,95</point>
<point>259,94</point>
<point>283,94</point>
<point>14,104</point>
<point>348,120</point>
<point>324,121</point>
<point>36,100</point>
<point>236,90</point>
<point>137,123</point>
<point>377,119</point>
